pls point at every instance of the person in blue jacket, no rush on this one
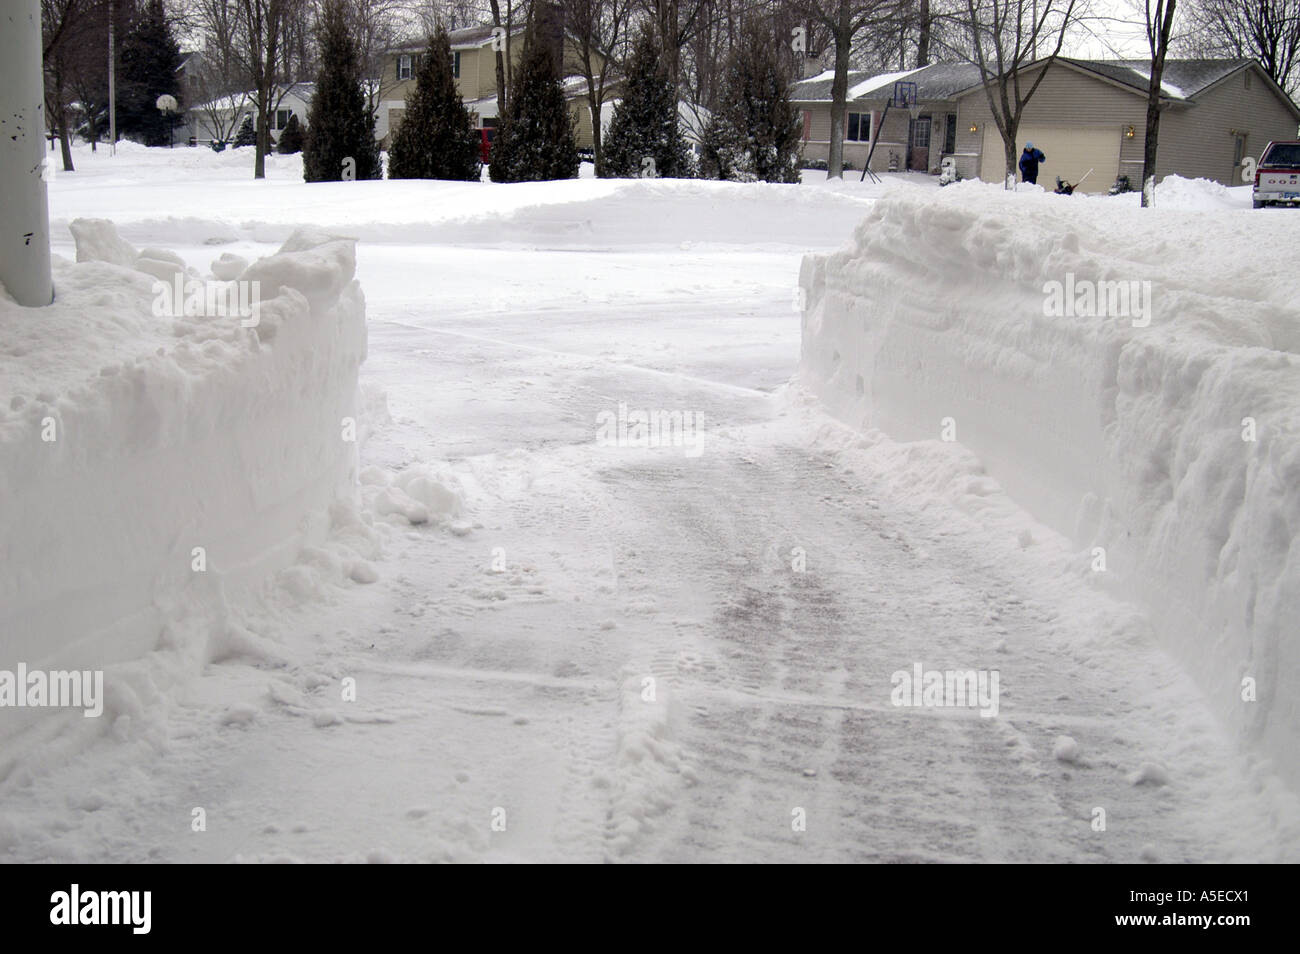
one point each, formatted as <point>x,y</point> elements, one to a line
<point>1029,160</point>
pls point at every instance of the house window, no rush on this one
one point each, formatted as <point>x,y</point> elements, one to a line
<point>1238,150</point>
<point>281,119</point>
<point>455,64</point>
<point>403,67</point>
<point>859,128</point>
<point>950,133</point>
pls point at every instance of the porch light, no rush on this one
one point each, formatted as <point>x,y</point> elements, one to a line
<point>1130,133</point>
<point>974,128</point>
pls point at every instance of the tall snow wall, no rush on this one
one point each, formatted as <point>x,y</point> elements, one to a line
<point>148,461</point>
<point>1167,435</point>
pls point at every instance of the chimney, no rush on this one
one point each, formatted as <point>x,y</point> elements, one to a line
<point>548,22</point>
<point>810,65</point>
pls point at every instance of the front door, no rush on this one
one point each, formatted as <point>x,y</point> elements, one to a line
<point>918,152</point>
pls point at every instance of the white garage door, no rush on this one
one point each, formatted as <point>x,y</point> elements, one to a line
<point>1071,151</point>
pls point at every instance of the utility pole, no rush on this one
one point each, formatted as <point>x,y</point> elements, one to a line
<point>25,212</point>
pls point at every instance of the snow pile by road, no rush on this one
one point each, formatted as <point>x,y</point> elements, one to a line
<point>162,449</point>
<point>1131,377</point>
<point>151,196</point>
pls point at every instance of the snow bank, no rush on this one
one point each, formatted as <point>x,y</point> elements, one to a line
<point>151,196</point>
<point>129,440</point>
<point>1129,432</point>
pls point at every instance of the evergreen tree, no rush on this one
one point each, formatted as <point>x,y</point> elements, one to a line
<point>755,132</point>
<point>535,140</point>
<point>291,137</point>
<point>436,138</point>
<point>645,122</point>
<point>148,61</point>
<point>246,136</point>
<point>340,125</point>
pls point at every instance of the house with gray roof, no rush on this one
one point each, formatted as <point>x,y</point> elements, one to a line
<point>1085,115</point>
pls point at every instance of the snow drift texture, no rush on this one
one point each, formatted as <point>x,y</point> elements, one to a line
<point>171,433</point>
<point>1121,437</point>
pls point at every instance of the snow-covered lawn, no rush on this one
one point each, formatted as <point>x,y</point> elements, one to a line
<point>563,650</point>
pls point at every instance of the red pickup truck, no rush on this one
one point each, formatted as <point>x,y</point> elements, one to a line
<point>1277,177</point>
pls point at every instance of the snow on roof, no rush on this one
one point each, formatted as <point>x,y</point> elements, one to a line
<point>303,91</point>
<point>1182,79</point>
<point>883,81</point>
<point>819,78</point>
<point>1168,88</point>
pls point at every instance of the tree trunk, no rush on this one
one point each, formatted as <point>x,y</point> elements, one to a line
<point>265,90</point>
<point>1158,33</point>
<point>500,65</point>
<point>65,145</point>
<point>259,161</point>
<point>1009,148</point>
<point>597,150</point>
<point>923,35</point>
<point>839,96</point>
<point>1149,146</point>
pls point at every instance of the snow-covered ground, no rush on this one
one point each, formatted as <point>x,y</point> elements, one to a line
<point>517,642</point>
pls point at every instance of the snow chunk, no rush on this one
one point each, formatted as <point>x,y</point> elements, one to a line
<point>97,241</point>
<point>1149,773</point>
<point>1065,749</point>
<point>316,265</point>
<point>228,266</point>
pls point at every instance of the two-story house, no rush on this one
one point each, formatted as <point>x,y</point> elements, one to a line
<point>473,52</point>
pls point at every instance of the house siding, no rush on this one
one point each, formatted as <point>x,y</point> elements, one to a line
<point>1066,97</point>
<point>478,80</point>
<point>1198,142</point>
<point>891,135</point>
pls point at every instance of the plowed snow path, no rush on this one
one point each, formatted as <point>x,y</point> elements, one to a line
<point>520,696</point>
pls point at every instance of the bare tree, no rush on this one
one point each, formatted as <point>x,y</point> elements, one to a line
<point>71,31</point>
<point>377,26</point>
<point>1265,30</point>
<point>843,22</point>
<point>1004,39</point>
<point>260,29</point>
<point>1159,22</point>
<point>597,30</point>
<point>676,23</point>
<point>452,14</point>
<point>216,82</point>
<point>516,12</point>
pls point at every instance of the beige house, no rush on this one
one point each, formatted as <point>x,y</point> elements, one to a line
<point>473,52</point>
<point>1086,114</point>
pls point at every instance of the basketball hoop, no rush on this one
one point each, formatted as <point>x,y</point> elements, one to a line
<point>905,97</point>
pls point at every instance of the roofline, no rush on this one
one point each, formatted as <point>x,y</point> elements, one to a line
<point>1259,68</point>
<point>1082,67</point>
